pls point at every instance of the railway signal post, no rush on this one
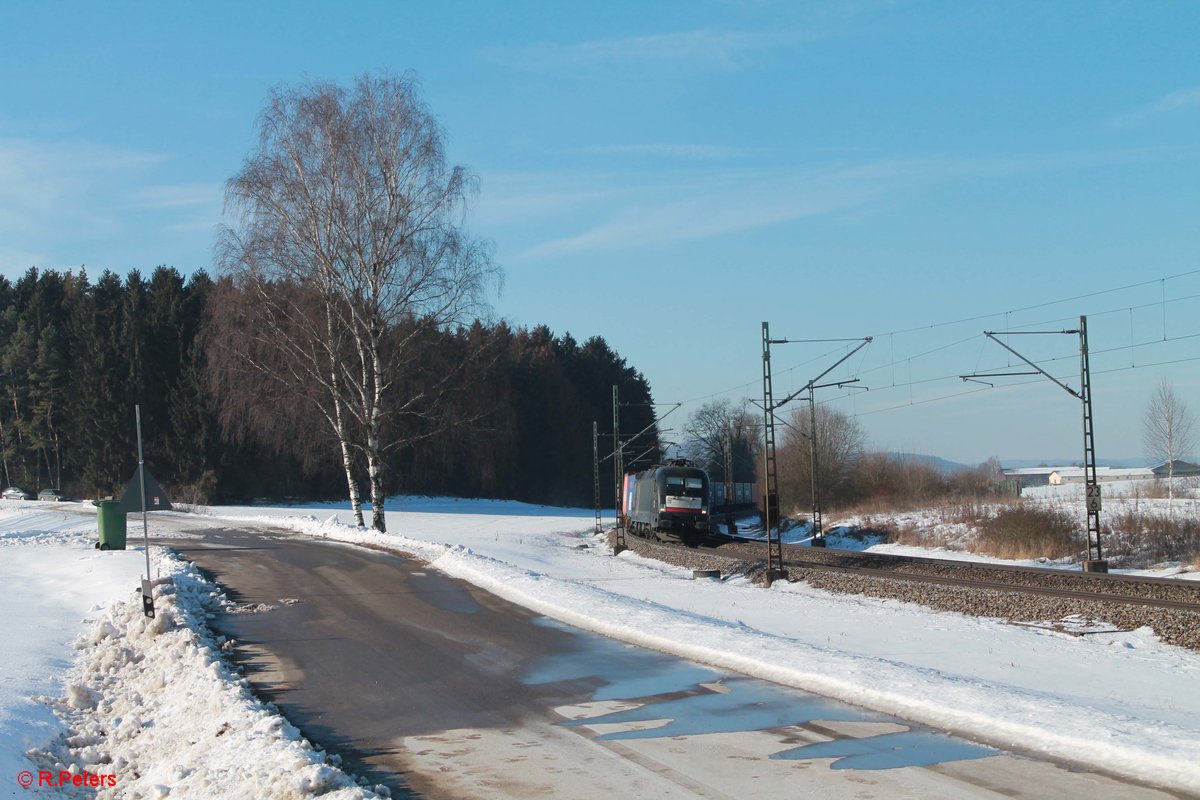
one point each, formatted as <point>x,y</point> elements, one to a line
<point>769,407</point>
<point>770,475</point>
<point>1095,556</point>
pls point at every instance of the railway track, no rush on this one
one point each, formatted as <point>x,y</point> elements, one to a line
<point>1098,587</point>
<point>1020,595</point>
<point>974,583</point>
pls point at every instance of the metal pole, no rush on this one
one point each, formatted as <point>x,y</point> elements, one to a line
<point>596,471</point>
<point>1092,486</point>
<point>730,528</point>
<point>147,587</point>
<point>618,472</point>
<point>770,478</point>
<point>1092,492</point>
<point>142,482</point>
<point>818,539</point>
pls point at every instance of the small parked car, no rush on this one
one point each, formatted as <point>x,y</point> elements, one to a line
<point>16,493</point>
<point>53,495</point>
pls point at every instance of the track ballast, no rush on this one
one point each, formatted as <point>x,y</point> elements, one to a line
<point>1061,600</point>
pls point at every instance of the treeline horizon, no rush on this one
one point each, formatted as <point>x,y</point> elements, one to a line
<point>77,357</point>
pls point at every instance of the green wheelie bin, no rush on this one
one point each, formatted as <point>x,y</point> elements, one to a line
<point>111,521</point>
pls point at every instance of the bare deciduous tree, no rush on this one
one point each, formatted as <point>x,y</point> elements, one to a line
<point>349,248</point>
<point>706,431</point>
<point>272,368</point>
<point>839,447</point>
<point>1168,429</point>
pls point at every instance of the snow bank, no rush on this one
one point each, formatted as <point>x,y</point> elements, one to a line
<point>52,578</point>
<point>155,709</point>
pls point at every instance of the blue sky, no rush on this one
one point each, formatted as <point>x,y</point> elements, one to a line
<point>669,175</point>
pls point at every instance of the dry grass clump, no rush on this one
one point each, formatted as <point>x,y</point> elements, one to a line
<point>1143,540</point>
<point>1027,531</point>
<point>967,513</point>
<point>941,528</point>
<point>898,531</point>
<point>1132,536</point>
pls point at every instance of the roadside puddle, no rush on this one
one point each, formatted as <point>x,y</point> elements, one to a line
<point>643,694</point>
<point>913,748</point>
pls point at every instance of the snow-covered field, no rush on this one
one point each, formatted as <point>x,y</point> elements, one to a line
<point>1119,701</point>
<point>948,536</point>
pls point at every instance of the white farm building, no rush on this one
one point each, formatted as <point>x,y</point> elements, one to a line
<point>1063,475</point>
<point>1057,476</point>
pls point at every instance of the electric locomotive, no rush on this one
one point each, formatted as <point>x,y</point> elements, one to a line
<point>669,503</point>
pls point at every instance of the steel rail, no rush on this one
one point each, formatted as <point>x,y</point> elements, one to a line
<point>1112,580</point>
<point>976,584</point>
<point>1116,588</point>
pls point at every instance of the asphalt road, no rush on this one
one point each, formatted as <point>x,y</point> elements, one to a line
<point>361,648</point>
<point>440,690</point>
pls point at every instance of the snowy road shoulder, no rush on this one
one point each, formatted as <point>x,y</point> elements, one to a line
<point>52,579</point>
<point>99,701</point>
<point>153,705</point>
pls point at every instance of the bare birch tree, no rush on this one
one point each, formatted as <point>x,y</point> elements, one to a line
<point>350,246</point>
<point>1168,430</point>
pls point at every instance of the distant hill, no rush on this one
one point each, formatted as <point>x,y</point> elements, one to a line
<point>940,464</point>
<point>1115,463</point>
<point>947,467</point>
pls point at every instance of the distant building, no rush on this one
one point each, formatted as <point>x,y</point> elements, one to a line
<point>1069,475</point>
<point>1180,469</point>
<point>1057,476</point>
<point>1030,476</point>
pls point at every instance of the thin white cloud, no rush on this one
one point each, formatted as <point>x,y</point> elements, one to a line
<point>723,48</point>
<point>702,208</point>
<point>206,225</point>
<point>679,151</point>
<point>37,177</point>
<point>508,197</point>
<point>960,167</point>
<point>638,210</point>
<point>1174,101</point>
<point>70,202</point>
<point>15,261</point>
<point>179,196</point>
